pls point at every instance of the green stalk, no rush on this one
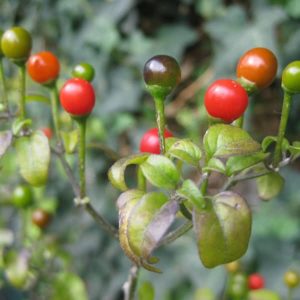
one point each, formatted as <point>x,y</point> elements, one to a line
<point>3,84</point>
<point>290,294</point>
<point>81,154</point>
<point>160,120</point>
<point>286,106</point>
<point>22,71</point>
<point>54,109</point>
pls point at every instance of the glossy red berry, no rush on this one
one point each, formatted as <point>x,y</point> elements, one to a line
<point>256,281</point>
<point>150,141</point>
<point>43,67</point>
<point>77,97</point>
<point>257,66</point>
<point>226,99</point>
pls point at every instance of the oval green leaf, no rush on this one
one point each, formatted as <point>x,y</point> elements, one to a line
<point>270,185</point>
<point>225,140</point>
<point>214,164</point>
<point>190,191</point>
<point>236,164</point>
<point>218,227</point>
<point>186,151</point>
<point>160,171</point>
<point>117,171</point>
<point>146,291</point>
<point>33,157</point>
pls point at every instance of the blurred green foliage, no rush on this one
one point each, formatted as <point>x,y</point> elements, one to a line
<point>117,37</point>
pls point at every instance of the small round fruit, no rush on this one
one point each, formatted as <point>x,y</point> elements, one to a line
<point>40,218</point>
<point>150,141</point>
<point>291,77</point>
<point>84,71</point>
<point>291,279</point>
<point>161,74</point>
<point>16,44</point>
<point>77,97</point>
<point>256,281</point>
<point>226,99</point>
<point>22,196</point>
<point>47,132</point>
<point>257,66</point>
<point>237,286</point>
<point>43,67</point>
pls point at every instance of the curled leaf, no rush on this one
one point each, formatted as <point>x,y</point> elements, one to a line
<point>117,171</point>
<point>160,171</point>
<point>140,217</point>
<point>225,140</point>
<point>190,191</point>
<point>186,151</point>
<point>126,203</point>
<point>158,227</point>
<point>70,140</point>
<point>223,229</point>
<point>33,156</point>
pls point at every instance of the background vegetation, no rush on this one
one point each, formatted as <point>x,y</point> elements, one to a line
<point>117,37</point>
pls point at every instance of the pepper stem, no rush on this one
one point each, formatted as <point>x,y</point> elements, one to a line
<point>81,122</point>
<point>287,99</point>
<point>3,84</point>
<point>54,109</point>
<point>160,120</point>
<point>22,71</point>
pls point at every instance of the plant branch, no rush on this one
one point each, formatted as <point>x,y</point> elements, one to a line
<point>178,232</point>
<point>129,286</point>
<point>104,224</point>
<point>106,150</point>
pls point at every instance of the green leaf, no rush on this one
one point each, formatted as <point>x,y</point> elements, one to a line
<point>237,164</point>
<point>33,157</point>
<point>218,227</point>
<point>117,171</point>
<point>169,142</point>
<point>204,294</point>
<point>146,291</point>
<point>269,185</point>
<point>190,191</point>
<point>70,140</point>
<point>126,203</point>
<point>295,150</point>
<point>19,124</point>
<point>186,151</point>
<point>69,286</point>
<point>160,171</point>
<point>214,164</point>
<point>225,140</point>
<point>263,295</point>
<point>5,141</point>
<point>37,98</point>
<point>268,140</point>
<point>140,217</point>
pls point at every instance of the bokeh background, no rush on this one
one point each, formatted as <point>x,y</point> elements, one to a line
<point>117,37</point>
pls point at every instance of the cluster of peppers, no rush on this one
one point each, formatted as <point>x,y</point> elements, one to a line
<point>162,196</point>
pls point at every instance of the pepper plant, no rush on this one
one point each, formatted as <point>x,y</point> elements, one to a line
<point>161,203</point>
